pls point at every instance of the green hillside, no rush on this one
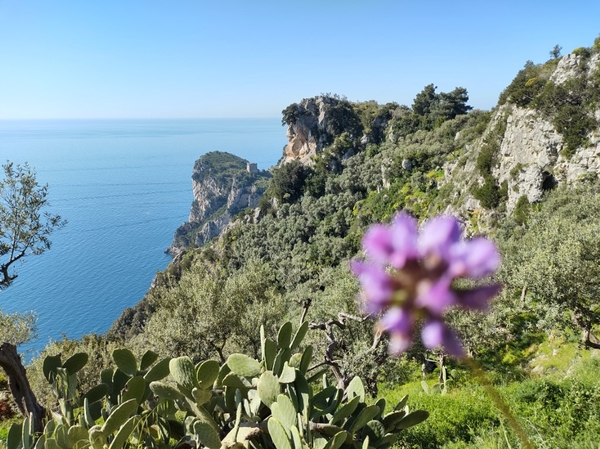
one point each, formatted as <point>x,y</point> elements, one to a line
<point>361,163</point>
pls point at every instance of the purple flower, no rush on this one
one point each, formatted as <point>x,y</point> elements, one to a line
<point>376,283</point>
<point>409,276</point>
<point>435,333</point>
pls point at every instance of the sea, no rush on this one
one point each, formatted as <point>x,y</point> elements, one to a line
<point>124,186</point>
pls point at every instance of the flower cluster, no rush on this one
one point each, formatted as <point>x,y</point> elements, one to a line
<point>409,277</point>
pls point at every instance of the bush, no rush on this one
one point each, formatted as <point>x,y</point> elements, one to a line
<point>524,88</point>
<point>521,212</point>
<point>488,194</point>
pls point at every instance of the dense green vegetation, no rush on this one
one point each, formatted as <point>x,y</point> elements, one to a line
<point>290,263</point>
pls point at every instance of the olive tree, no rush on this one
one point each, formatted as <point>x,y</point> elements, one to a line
<point>555,262</point>
<point>25,228</point>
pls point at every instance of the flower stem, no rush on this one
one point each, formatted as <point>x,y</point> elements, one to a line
<point>486,383</point>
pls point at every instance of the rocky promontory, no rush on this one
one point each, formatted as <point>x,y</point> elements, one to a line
<point>223,185</point>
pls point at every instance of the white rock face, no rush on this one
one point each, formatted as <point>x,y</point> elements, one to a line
<point>303,139</point>
<point>528,153</point>
<point>530,158</point>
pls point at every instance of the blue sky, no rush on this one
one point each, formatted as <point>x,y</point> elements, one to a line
<point>187,59</point>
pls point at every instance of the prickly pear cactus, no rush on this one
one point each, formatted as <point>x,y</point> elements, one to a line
<point>275,402</point>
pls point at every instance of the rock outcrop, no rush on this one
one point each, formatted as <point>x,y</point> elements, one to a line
<point>223,186</point>
<point>533,155</point>
<point>314,123</point>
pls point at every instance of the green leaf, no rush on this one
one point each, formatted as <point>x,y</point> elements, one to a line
<point>148,359</point>
<point>223,372</point>
<point>390,420</point>
<point>207,435</point>
<point>75,362</point>
<point>97,438</point>
<point>375,431</point>
<point>106,377</point>
<point>158,371</point>
<point>345,410</point>
<point>118,381</point>
<point>412,419</point>
<point>299,336</point>
<point>234,381</point>
<point>284,336</point>
<point>402,403</point>
<point>296,439</point>
<point>337,441</point>
<point>270,351</point>
<point>268,388</point>
<point>366,415</point>
<point>288,374</point>
<point>282,357</point>
<point>206,373</point>
<point>283,410</point>
<point>77,433</point>
<point>201,396</point>
<point>96,393</point>
<point>306,359</point>
<point>87,414</point>
<point>50,364</point>
<point>425,387</point>
<point>322,400</point>
<point>184,372</point>
<point>125,361</point>
<point>295,360</point>
<point>13,439</point>
<point>381,403</point>
<point>356,388</point>
<point>303,392</point>
<point>166,391</point>
<point>119,416</point>
<point>123,434</point>
<point>278,434</point>
<point>243,365</point>
<point>135,389</point>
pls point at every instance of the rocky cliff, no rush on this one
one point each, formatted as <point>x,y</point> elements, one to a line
<point>329,121</point>
<point>223,185</point>
<point>537,137</point>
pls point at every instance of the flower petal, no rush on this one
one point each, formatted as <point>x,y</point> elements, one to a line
<point>476,258</point>
<point>478,298</point>
<point>377,244</point>
<point>404,232</point>
<point>435,333</point>
<point>397,319</point>
<point>436,298</point>
<point>438,236</point>
<point>399,343</point>
<point>377,284</point>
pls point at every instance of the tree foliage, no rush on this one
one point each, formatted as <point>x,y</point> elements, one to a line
<point>25,226</point>
<point>556,261</point>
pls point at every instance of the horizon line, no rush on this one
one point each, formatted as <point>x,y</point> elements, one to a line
<point>139,118</point>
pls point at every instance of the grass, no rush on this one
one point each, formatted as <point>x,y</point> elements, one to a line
<point>557,402</point>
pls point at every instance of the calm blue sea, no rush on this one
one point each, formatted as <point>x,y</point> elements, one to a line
<point>124,186</point>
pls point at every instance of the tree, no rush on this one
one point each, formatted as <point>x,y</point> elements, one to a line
<point>24,231</point>
<point>555,52</point>
<point>425,100</point>
<point>555,262</point>
<point>24,226</point>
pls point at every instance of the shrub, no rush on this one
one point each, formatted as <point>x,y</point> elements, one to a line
<point>521,212</point>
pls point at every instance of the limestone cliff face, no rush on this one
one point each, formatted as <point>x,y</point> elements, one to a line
<point>532,155</point>
<point>222,187</point>
<point>314,123</point>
